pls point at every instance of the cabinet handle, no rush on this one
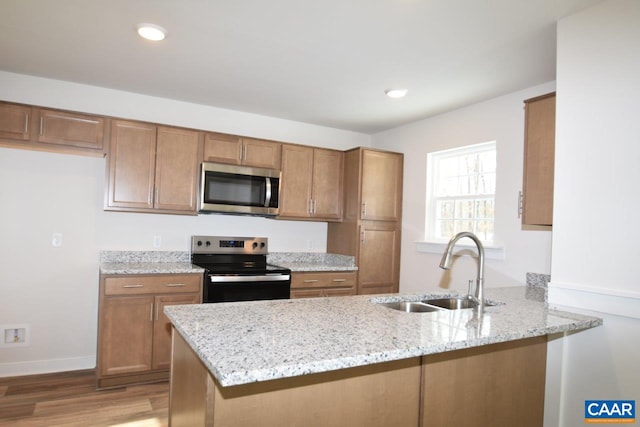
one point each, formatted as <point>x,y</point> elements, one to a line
<point>313,206</point>
<point>157,308</point>
<point>175,285</point>
<point>364,208</point>
<point>41,125</point>
<point>26,123</point>
<point>310,280</point>
<point>243,153</point>
<point>339,280</point>
<point>151,312</point>
<point>133,286</point>
<point>362,236</point>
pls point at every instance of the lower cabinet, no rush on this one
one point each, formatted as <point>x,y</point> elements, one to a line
<point>134,335</point>
<point>323,284</point>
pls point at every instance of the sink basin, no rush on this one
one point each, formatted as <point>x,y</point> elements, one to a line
<point>410,307</point>
<point>452,303</point>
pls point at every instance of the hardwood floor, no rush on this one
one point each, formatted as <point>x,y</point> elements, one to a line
<point>71,399</point>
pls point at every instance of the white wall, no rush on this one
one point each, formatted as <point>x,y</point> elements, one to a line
<point>55,290</point>
<point>501,120</point>
<point>596,208</point>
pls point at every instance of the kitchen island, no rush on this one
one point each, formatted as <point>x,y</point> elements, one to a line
<point>351,361</point>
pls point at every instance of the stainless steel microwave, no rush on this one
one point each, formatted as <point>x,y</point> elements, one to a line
<point>239,190</point>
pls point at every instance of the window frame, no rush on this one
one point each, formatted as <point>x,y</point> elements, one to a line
<point>433,159</point>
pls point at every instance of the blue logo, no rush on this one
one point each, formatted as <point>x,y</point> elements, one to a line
<point>610,411</point>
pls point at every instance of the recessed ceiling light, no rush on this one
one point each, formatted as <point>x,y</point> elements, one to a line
<point>396,93</point>
<point>152,32</point>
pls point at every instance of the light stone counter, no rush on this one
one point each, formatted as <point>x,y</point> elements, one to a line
<point>147,262</point>
<point>247,342</point>
<point>311,261</point>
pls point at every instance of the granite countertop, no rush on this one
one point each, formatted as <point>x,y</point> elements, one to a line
<point>179,262</point>
<point>312,261</point>
<point>263,340</point>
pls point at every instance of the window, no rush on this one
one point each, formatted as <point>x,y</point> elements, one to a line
<point>461,186</point>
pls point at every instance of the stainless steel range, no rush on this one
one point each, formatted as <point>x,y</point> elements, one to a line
<point>237,269</point>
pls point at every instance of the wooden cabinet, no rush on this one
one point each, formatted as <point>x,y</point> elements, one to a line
<point>134,335</point>
<point>323,284</point>
<point>539,155</point>
<point>311,186</point>
<point>371,228</point>
<point>51,130</point>
<point>152,168</point>
<point>237,150</point>
<point>15,121</point>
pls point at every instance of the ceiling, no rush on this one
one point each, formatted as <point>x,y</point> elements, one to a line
<point>322,62</point>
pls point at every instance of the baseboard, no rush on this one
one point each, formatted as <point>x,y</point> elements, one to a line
<point>16,369</point>
<point>610,301</point>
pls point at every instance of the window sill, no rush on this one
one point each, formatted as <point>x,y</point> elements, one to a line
<point>490,251</point>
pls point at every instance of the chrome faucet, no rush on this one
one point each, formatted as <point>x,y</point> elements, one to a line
<point>446,264</point>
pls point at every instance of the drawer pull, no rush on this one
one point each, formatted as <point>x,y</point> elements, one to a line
<point>175,285</point>
<point>133,286</point>
<point>310,280</point>
<point>41,125</point>
<point>151,312</point>
<point>26,123</point>
<point>339,280</point>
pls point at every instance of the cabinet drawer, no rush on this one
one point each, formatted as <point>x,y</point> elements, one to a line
<point>171,283</point>
<point>323,280</point>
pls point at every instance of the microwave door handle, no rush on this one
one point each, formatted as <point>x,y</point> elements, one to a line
<point>267,192</point>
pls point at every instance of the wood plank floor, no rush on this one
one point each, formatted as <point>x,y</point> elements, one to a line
<point>71,399</point>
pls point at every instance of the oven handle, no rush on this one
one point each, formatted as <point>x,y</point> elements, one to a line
<point>261,278</point>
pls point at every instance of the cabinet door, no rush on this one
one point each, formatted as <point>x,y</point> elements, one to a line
<point>15,121</point>
<point>125,335</point>
<point>295,186</point>
<point>539,154</point>
<point>261,154</point>
<point>339,292</point>
<point>379,258</point>
<point>177,163</point>
<point>78,130</point>
<point>306,293</point>
<point>132,157</point>
<point>381,186</point>
<point>327,184</point>
<point>162,328</point>
<point>222,148</point>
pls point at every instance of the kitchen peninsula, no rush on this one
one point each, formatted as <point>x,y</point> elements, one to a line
<point>352,361</point>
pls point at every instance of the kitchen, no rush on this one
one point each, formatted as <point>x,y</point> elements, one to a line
<point>58,298</point>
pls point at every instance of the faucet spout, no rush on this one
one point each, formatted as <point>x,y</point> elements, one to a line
<point>445,263</point>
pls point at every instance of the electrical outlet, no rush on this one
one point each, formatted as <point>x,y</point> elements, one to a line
<point>157,241</point>
<point>14,335</point>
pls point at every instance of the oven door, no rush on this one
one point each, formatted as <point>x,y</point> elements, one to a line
<point>228,288</point>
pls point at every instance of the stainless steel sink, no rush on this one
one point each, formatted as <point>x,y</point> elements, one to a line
<point>411,307</point>
<point>454,303</point>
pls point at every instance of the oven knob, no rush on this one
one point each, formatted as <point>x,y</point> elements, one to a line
<point>262,245</point>
<point>254,245</point>
<point>199,243</point>
<point>207,243</point>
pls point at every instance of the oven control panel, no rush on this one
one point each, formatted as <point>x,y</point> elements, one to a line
<point>229,245</point>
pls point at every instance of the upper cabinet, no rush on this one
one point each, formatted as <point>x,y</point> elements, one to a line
<point>51,130</point>
<point>539,153</point>
<point>237,150</point>
<point>311,185</point>
<point>14,121</point>
<point>381,198</point>
<point>152,168</point>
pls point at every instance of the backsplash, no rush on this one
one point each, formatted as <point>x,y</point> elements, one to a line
<point>537,286</point>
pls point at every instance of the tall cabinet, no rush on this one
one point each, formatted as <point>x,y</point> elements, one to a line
<point>371,227</point>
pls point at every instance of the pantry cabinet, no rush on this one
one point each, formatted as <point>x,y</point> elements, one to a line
<point>134,335</point>
<point>37,128</point>
<point>311,186</point>
<point>237,150</point>
<point>152,168</point>
<point>539,155</point>
<point>371,228</point>
<point>323,284</point>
